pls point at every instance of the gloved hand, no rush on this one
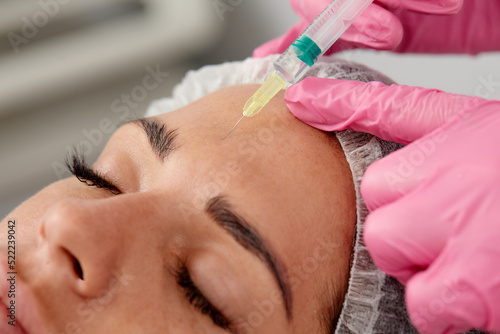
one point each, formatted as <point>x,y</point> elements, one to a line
<point>435,204</point>
<point>407,26</point>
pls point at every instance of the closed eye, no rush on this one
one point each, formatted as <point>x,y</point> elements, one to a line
<point>197,299</point>
<point>81,170</point>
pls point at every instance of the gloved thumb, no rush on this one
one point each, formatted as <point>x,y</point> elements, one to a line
<point>395,113</point>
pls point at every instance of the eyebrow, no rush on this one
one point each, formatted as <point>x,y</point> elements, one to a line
<point>221,212</point>
<point>162,140</point>
<point>163,143</point>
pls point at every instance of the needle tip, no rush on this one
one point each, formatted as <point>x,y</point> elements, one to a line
<point>234,127</point>
<point>227,134</point>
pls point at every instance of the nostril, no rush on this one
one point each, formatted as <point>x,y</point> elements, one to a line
<point>78,268</point>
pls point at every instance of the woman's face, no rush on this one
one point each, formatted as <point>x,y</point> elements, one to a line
<point>188,233</point>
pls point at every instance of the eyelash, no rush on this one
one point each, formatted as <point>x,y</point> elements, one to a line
<point>84,173</point>
<point>196,298</point>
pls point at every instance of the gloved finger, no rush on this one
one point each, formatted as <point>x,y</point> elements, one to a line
<point>391,178</point>
<point>280,44</point>
<point>376,28</point>
<point>406,236</point>
<point>470,31</point>
<point>309,10</point>
<point>402,171</point>
<point>447,298</point>
<point>425,6</point>
<point>395,113</point>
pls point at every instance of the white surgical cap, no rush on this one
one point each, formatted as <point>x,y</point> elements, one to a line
<point>374,302</point>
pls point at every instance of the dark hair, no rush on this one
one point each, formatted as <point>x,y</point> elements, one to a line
<point>332,306</point>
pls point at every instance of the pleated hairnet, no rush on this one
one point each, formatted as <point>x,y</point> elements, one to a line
<point>374,302</point>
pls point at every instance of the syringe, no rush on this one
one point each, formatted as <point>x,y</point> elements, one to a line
<point>293,64</point>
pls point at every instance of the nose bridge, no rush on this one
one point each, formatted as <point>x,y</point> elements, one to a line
<point>85,238</point>
<point>94,241</point>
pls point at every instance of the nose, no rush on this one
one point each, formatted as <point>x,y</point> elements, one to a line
<point>83,244</point>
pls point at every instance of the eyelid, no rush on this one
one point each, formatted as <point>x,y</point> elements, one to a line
<point>84,173</point>
<point>196,297</point>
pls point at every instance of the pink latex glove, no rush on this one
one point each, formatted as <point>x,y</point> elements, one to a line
<point>407,26</point>
<point>435,204</point>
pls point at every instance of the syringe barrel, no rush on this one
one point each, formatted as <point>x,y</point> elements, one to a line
<point>318,38</point>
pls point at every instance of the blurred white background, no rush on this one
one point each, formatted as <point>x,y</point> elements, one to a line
<point>71,70</point>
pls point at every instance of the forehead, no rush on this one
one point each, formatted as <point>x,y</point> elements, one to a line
<point>205,122</point>
<point>270,159</point>
<point>271,145</point>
